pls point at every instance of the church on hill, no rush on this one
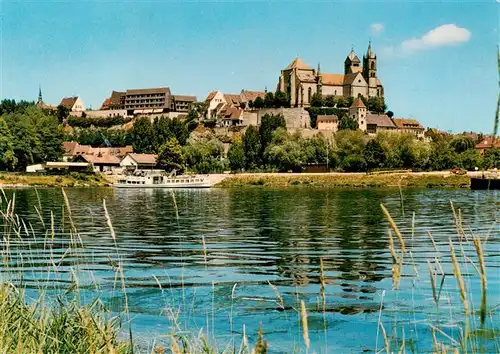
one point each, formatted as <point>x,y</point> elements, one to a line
<point>300,81</point>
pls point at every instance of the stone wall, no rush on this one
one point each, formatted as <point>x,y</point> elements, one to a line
<point>294,117</point>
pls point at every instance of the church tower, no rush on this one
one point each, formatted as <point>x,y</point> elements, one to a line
<point>370,71</point>
<point>351,63</point>
<point>40,99</point>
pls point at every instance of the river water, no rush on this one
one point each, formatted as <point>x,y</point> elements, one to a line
<point>205,259</point>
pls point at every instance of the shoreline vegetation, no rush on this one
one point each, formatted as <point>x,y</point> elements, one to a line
<point>272,180</point>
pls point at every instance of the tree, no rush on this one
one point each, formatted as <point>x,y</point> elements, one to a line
<point>347,123</point>
<point>269,123</point>
<point>143,136</point>
<point>374,154</point>
<point>375,104</point>
<point>329,101</point>
<point>342,102</point>
<point>236,156</point>
<point>252,148</point>
<point>492,158</point>
<point>281,99</point>
<point>269,100</point>
<point>462,143</point>
<point>317,100</point>
<point>205,155</point>
<point>7,157</point>
<point>350,150</point>
<point>390,114</point>
<point>62,113</point>
<point>170,156</point>
<point>470,159</point>
<point>259,103</point>
<point>26,142</point>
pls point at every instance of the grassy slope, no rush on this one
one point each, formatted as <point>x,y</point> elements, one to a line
<point>347,180</point>
<point>13,179</point>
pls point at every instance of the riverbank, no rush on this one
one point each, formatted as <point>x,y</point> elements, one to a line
<point>19,180</point>
<point>354,180</point>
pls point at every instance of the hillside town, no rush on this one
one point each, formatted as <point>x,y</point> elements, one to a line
<point>316,110</point>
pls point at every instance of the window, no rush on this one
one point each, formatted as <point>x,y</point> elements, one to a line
<point>372,65</point>
<point>309,95</point>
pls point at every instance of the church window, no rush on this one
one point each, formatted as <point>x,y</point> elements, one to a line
<point>309,95</point>
<point>359,80</point>
<point>373,65</point>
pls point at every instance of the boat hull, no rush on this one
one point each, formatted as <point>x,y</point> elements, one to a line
<point>484,183</point>
<point>164,186</point>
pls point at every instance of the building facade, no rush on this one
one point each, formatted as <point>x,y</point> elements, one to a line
<point>301,82</point>
<point>147,101</point>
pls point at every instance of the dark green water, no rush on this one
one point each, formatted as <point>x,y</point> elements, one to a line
<point>256,236</point>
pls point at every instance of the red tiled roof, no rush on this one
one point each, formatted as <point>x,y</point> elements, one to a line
<point>105,104</point>
<point>232,100</point>
<point>358,103</point>
<point>380,120</point>
<point>145,159</point>
<point>105,159</point>
<point>404,123</point>
<point>488,144</point>
<point>185,98</point>
<point>68,102</point>
<point>210,96</point>
<point>165,90</point>
<point>251,95</point>
<point>332,79</point>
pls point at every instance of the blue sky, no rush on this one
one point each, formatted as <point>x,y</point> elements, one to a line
<point>436,59</point>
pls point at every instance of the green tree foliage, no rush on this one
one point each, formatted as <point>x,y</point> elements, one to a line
<point>376,104</point>
<point>462,143</point>
<point>7,157</point>
<point>329,101</point>
<point>443,157</point>
<point>11,106</point>
<point>105,122</point>
<point>492,158</point>
<point>142,135</point>
<point>165,129</point>
<point>374,154</point>
<point>269,123</point>
<point>285,152</point>
<point>281,99</point>
<point>269,100</point>
<point>347,123</point>
<point>205,155</point>
<point>470,159</point>
<point>236,156</point>
<point>170,156</point>
<point>350,150</point>
<point>252,148</point>
<point>36,137</point>
<point>259,103</point>
<point>317,100</point>
<point>62,113</point>
<point>342,102</point>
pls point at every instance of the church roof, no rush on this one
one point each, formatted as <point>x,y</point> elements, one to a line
<point>297,63</point>
<point>358,103</point>
<point>332,79</point>
<point>306,76</point>
<point>352,57</point>
<point>349,78</point>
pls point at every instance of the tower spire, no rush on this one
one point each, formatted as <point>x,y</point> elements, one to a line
<point>369,52</point>
<point>39,92</point>
<point>319,69</point>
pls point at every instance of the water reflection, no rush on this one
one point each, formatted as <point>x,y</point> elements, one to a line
<point>252,237</point>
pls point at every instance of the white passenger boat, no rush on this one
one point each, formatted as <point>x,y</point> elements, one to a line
<point>159,179</point>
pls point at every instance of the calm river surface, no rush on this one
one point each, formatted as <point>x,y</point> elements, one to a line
<point>254,237</point>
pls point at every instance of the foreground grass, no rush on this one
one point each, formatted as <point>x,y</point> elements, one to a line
<point>10,179</point>
<point>405,180</point>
